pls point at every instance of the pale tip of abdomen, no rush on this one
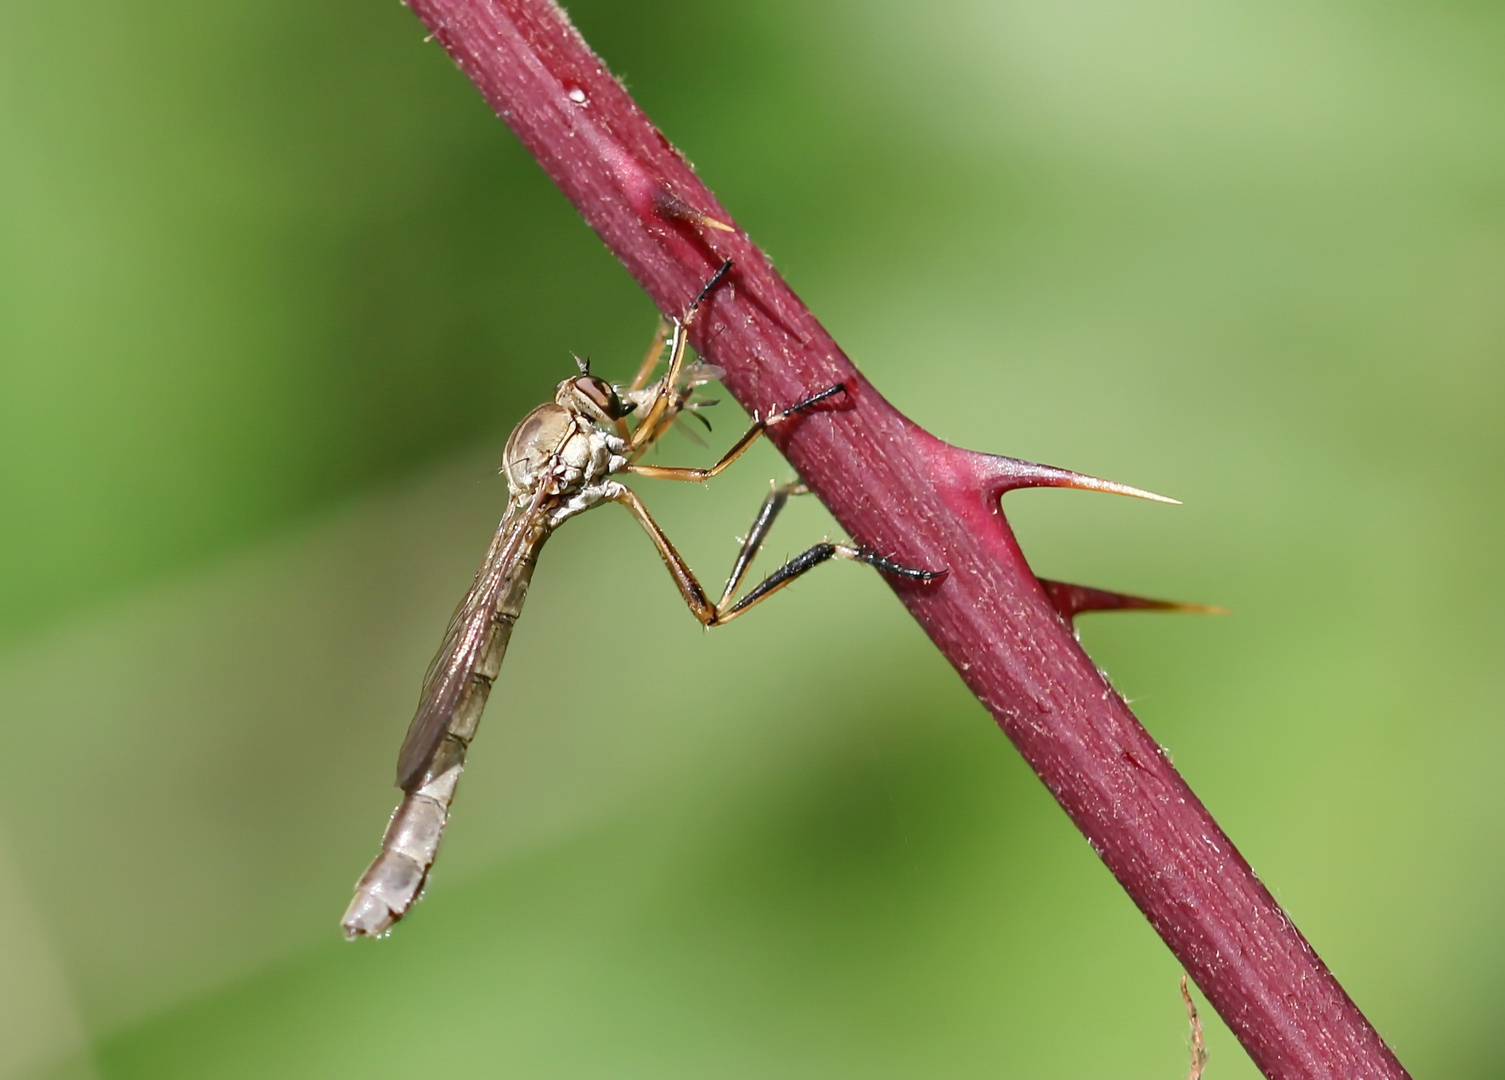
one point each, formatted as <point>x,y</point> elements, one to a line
<point>383,895</point>
<point>366,916</point>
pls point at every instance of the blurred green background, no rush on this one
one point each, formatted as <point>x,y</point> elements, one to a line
<point>274,285</point>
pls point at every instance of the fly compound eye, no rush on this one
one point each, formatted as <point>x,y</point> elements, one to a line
<point>603,396</point>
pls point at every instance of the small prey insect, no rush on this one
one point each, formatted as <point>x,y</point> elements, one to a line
<point>559,462</point>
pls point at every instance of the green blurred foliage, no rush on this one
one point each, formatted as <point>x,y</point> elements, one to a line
<point>273,286</point>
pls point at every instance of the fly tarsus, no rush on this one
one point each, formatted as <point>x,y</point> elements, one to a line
<point>809,403</point>
<point>888,566</point>
<point>812,557</point>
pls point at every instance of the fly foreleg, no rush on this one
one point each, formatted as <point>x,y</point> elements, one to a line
<point>658,415</point>
<point>652,357</point>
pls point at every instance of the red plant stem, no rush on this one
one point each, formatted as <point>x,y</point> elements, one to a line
<point>904,493</point>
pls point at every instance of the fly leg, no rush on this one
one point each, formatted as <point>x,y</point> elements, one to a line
<point>724,611</point>
<point>650,361</point>
<point>661,412</point>
<point>803,563</point>
<point>759,426</point>
<point>652,357</point>
<point>808,560</point>
<point>761,526</point>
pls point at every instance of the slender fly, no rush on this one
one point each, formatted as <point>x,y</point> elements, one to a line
<point>559,462</point>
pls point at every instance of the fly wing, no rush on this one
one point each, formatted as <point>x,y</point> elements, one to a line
<point>454,666</point>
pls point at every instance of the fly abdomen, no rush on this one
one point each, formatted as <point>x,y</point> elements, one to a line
<point>389,888</point>
<point>393,882</point>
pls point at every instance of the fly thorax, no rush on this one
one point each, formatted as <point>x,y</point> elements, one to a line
<point>534,444</point>
<point>584,458</point>
<point>563,447</point>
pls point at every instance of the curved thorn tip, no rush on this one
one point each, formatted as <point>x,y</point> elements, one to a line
<point>1073,600</point>
<point>1005,474</point>
<point>712,223</point>
<point>1092,483</point>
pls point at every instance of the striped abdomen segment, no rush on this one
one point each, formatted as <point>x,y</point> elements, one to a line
<point>388,889</point>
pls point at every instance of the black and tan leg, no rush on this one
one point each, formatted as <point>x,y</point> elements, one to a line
<point>772,506</point>
<point>725,611</point>
<point>664,472</point>
<point>808,560</point>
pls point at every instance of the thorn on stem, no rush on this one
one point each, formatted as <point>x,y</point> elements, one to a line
<point>669,205</point>
<point>1005,474</point>
<point>1072,600</point>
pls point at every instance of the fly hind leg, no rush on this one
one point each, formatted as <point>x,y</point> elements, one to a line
<point>724,610</point>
